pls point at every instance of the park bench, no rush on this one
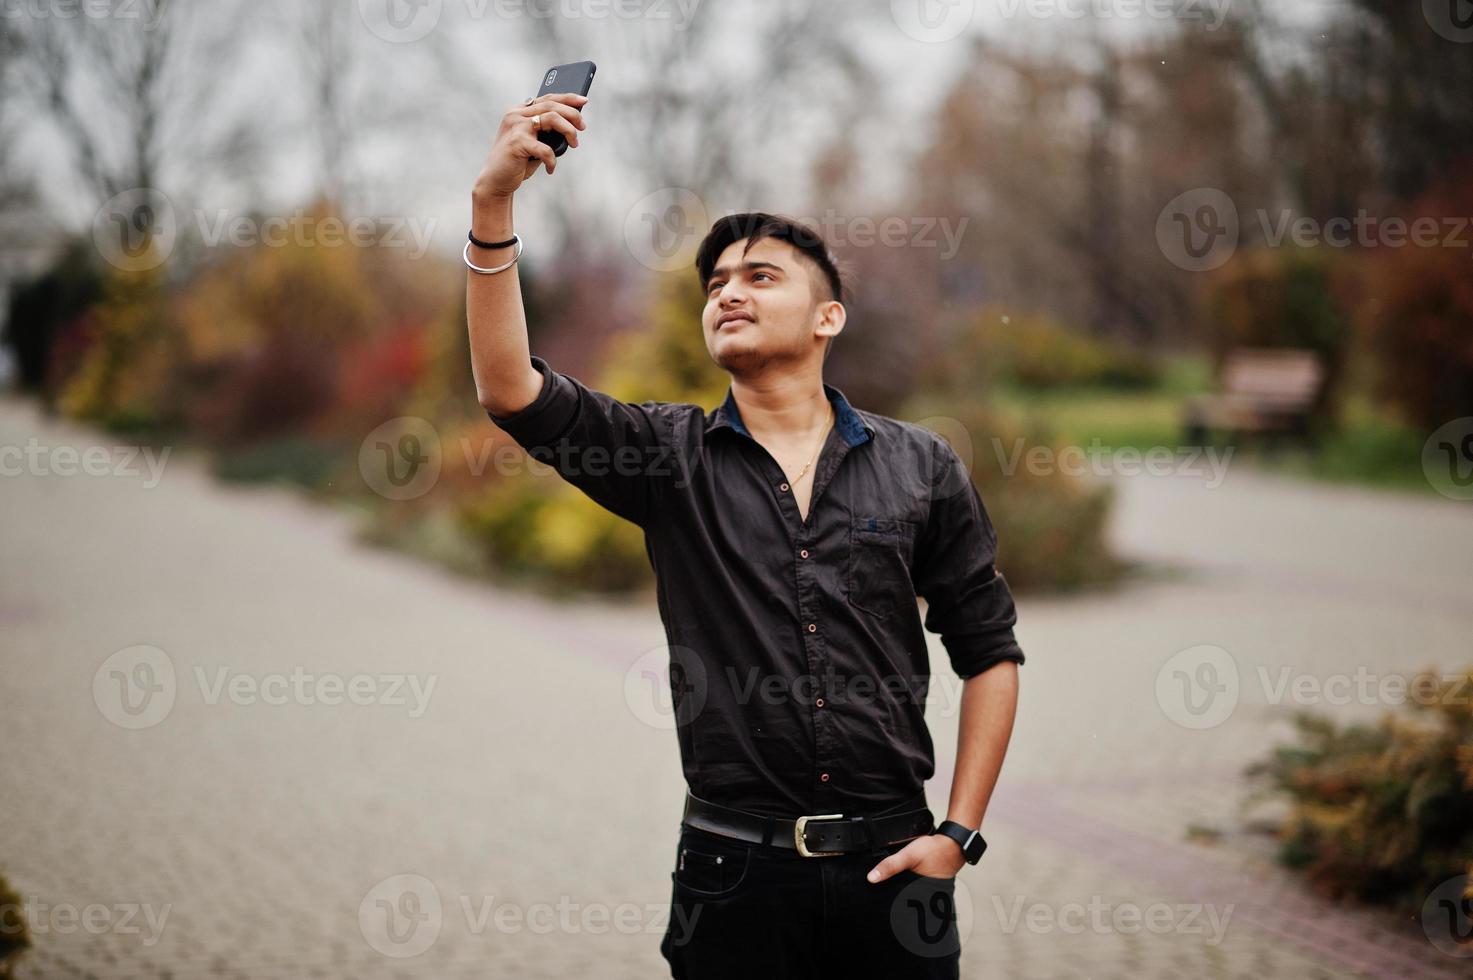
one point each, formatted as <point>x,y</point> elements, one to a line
<point>1262,390</point>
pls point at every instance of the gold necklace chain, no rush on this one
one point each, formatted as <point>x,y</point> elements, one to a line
<point>821,440</point>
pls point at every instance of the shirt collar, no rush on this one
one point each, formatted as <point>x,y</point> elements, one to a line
<point>852,427</point>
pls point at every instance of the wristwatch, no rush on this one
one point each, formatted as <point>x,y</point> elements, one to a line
<point>971,841</point>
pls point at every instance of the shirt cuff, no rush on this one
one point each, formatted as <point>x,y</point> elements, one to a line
<point>549,414</point>
<point>974,654</point>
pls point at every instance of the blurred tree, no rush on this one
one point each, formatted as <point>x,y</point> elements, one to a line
<point>150,84</point>
<point>124,380</point>
<point>1418,308</point>
<point>41,308</point>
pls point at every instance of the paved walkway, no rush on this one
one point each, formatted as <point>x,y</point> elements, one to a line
<point>232,836</point>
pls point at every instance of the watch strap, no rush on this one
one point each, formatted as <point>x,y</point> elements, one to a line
<point>972,844</point>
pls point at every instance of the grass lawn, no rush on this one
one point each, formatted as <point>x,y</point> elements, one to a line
<point>1371,449</point>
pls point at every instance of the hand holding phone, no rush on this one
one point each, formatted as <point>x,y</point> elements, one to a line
<point>535,133</point>
<point>576,78</point>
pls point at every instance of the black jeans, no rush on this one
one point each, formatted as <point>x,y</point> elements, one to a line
<point>748,911</point>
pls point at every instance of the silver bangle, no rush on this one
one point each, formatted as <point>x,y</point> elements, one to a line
<point>466,254</point>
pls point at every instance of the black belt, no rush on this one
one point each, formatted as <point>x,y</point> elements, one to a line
<point>814,835</point>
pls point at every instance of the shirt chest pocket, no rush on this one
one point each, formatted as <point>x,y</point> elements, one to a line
<point>880,554</point>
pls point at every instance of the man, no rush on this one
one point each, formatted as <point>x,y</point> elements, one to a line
<point>790,535</point>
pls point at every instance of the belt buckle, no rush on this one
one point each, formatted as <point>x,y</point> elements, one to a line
<point>802,845</point>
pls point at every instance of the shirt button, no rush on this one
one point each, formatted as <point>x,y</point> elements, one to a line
<point>783,487</point>
<point>824,776</point>
<point>803,553</point>
<point>813,627</point>
<point>819,702</point>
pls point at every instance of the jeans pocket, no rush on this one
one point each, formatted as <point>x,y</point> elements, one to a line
<point>710,868</point>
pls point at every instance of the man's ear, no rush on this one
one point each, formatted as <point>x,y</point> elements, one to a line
<point>831,318</point>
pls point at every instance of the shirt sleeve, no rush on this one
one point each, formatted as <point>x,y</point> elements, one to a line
<point>616,452</point>
<point>968,601</point>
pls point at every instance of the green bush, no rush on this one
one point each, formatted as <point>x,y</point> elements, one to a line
<point>296,459</point>
<point>544,527</point>
<point>1050,525</point>
<point>1380,813</point>
<point>1035,351</point>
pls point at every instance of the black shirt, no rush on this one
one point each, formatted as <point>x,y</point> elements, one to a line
<point>798,665</point>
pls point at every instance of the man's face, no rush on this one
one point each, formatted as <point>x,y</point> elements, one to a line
<point>769,300</point>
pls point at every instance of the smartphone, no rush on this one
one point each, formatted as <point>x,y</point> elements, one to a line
<point>577,77</point>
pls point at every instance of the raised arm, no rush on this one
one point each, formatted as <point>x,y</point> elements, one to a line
<point>506,381</point>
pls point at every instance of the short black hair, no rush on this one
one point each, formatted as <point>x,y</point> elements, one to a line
<point>755,225</point>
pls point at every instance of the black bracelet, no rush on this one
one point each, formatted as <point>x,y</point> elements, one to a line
<point>506,244</point>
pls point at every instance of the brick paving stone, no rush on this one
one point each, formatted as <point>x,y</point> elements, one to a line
<point>262,828</point>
